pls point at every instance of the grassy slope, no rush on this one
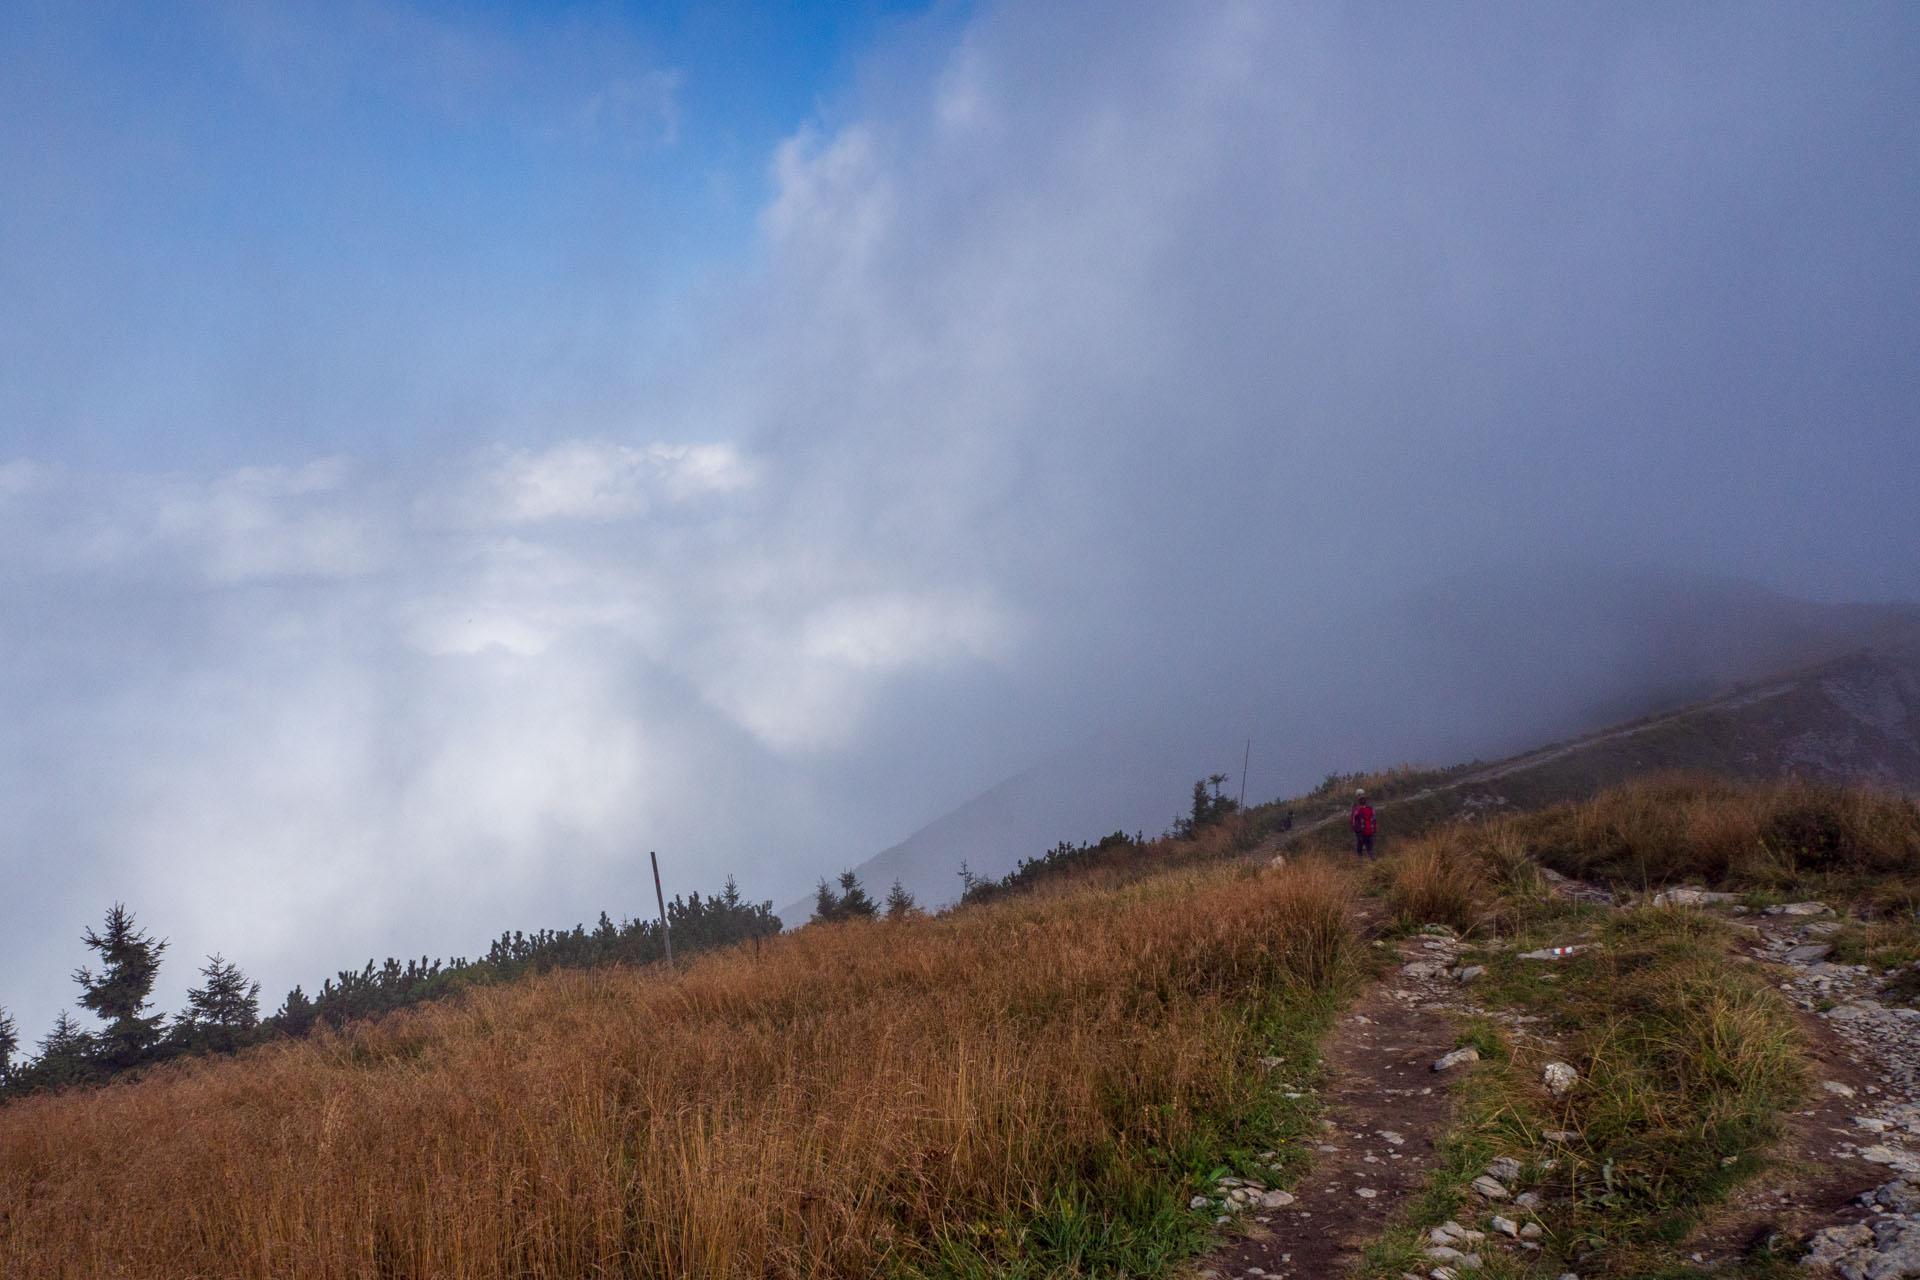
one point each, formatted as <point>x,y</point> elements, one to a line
<point>1033,1087</point>
<point>1027,1088</point>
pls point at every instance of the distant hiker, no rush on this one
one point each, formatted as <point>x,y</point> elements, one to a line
<point>1363,823</point>
<point>1286,823</point>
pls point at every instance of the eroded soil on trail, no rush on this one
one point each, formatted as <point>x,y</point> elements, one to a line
<point>1384,1108</point>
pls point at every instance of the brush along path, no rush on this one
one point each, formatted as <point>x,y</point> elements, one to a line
<point>1384,1107</point>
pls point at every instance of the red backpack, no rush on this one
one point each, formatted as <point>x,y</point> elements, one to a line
<point>1363,821</point>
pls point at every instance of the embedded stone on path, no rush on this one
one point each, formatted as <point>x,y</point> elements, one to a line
<point>1559,1077</point>
<point>1888,1248</point>
<point>1801,909</point>
<point>1489,1188</point>
<point>1458,1058</point>
<point>1692,898</point>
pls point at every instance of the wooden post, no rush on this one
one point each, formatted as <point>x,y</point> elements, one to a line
<point>1244,761</point>
<point>660,896</point>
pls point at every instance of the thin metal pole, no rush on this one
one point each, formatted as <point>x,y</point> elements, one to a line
<point>1244,761</point>
<point>660,896</point>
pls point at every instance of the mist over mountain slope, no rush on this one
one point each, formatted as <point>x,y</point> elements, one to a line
<point>1480,667</point>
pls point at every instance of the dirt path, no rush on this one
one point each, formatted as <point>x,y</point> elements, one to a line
<point>1385,1108</point>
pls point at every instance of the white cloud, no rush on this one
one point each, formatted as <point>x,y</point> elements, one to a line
<point>589,480</point>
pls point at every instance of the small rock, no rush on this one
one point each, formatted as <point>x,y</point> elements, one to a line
<point>1555,953</point>
<point>1691,898</point>
<point>1276,1200</point>
<point>1444,1273</point>
<point>1527,1200</point>
<point>1506,1168</point>
<point>1505,1226</point>
<point>1268,1064</point>
<point>1423,969</point>
<point>1531,1231</point>
<point>1834,1086</point>
<point>1899,1196</point>
<point>1459,1057</point>
<point>1198,1202</point>
<point>1808,953</point>
<point>1900,1160</point>
<point>1365,1193</point>
<point>1559,1077</point>
<point>1473,971</point>
<point>1801,909</point>
<point>1489,1188</point>
<point>1391,1138</point>
<point>1835,1243</point>
<point>1562,1136</point>
<point>1444,1253</point>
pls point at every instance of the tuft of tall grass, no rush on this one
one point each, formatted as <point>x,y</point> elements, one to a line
<point>856,1100</point>
<point>1437,879</point>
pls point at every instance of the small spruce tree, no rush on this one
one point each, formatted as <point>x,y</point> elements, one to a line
<point>854,902</point>
<point>297,1013</point>
<point>826,905</point>
<point>1209,807</point>
<point>221,1014</point>
<point>67,1055</point>
<point>900,903</point>
<point>130,961</point>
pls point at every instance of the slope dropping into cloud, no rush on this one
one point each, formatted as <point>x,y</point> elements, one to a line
<point>423,560</point>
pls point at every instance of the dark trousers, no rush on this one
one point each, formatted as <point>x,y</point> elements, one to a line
<point>1363,845</point>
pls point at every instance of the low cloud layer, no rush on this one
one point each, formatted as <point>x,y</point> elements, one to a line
<point>1085,366</point>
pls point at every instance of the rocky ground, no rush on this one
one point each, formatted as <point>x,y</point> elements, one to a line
<point>1846,1180</point>
<point>1870,1105</point>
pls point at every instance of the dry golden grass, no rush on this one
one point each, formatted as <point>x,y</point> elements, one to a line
<point>1786,837</point>
<point>1434,880</point>
<point>1671,827</point>
<point>836,1106</point>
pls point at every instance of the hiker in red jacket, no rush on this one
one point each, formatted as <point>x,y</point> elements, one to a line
<point>1363,823</point>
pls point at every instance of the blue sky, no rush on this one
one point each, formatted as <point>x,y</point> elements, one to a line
<point>447,451</point>
<point>243,231</point>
